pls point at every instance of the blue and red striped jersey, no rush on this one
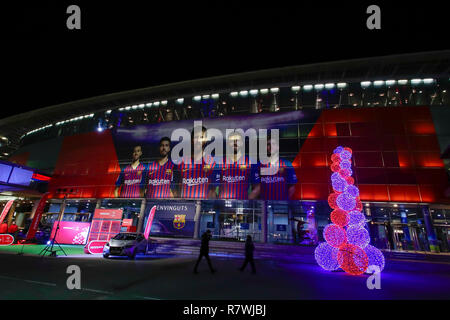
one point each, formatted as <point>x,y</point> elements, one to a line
<point>196,179</point>
<point>236,178</point>
<point>275,187</point>
<point>131,180</point>
<point>159,179</point>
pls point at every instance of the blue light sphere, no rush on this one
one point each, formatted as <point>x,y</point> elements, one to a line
<point>339,185</point>
<point>345,164</point>
<point>345,155</point>
<point>358,236</point>
<point>336,176</point>
<point>356,218</point>
<point>375,256</point>
<point>338,149</point>
<point>326,256</point>
<point>352,190</point>
<point>345,173</point>
<point>346,202</point>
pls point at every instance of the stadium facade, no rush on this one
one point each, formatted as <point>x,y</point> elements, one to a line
<point>107,153</point>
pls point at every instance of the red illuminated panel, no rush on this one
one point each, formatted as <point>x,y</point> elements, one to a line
<point>420,127</point>
<point>401,142</point>
<point>368,159</point>
<point>370,143</point>
<point>312,175</point>
<point>434,176</point>
<point>428,193</point>
<point>392,126</point>
<point>85,161</point>
<point>404,193</point>
<point>428,159</point>
<point>416,114</point>
<point>370,175</point>
<point>387,143</point>
<point>363,115</point>
<point>314,145</point>
<point>317,159</point>
<point>343,129</point>
<point>424,143</point>
<point>404,159</point>
<point>316,131</point>
<point>369,192</point>
<point>364,129</point>
<point>400,176</point>
<point>331,144</point>
<point>297,192</point>
<point>330,129</point>
<point>390,159</point>
<point>314,191</point>
<point>336,115</point>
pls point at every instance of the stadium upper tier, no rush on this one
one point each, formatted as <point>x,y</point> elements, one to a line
<point>401,80</point>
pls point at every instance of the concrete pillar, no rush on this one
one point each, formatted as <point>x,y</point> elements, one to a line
<point>62,208</point>
<point>198,208</point>
<point>141,215</point>
<point>11,213</point>
<point>404,220</point>
<point>432,239</point>
<point>264,222</point>
<point>33,210</point>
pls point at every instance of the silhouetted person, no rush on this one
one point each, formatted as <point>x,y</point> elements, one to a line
<point>300,232</point>
<point>204,251</point>
<point>249,248</point>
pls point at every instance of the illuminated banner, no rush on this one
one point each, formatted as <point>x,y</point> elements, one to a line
<point>71,232</point>
<point>157,160</point>
<point>6,210</point>
<point>105,225</point>
<point>127,222</point>
<point>96,247</point>
<point>6,239</point>
<point>173,218</point>
<point>37,216</point>
<point>148,225</point>
<point>108,214</point>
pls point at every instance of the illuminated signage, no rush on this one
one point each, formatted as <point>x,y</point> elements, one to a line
<point>6,239</point>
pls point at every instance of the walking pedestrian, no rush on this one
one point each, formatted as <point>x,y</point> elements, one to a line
<point>249,248</point>
<point>204,251</point>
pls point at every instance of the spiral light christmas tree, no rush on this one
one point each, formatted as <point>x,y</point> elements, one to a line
<point>347,241</point>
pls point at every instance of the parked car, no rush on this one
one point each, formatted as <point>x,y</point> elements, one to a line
<point>126,244</point>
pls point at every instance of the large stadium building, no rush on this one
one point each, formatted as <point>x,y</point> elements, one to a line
<point>393,112</point>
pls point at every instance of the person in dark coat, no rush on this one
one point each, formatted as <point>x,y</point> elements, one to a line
<point>204,251</point>
<point>249,248</point>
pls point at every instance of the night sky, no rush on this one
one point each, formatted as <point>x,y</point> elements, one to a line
<point>124,46</point>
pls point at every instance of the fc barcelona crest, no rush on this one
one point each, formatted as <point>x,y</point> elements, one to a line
<point>179,221</point>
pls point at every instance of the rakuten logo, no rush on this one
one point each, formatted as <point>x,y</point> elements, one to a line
<point>194,181</point>
<point>233,179</point>
<point>133,181</point>
<point>272,179</point>
<point>158,182</point>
